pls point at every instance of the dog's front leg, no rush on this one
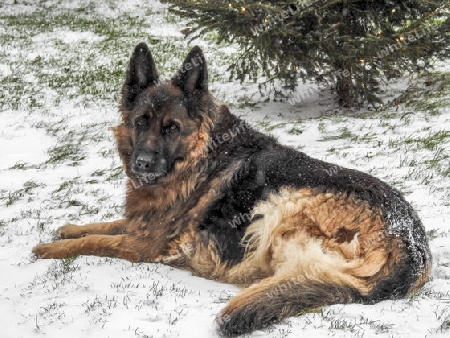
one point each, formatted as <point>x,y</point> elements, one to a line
<point>119,246</point>
<point>105,228</point>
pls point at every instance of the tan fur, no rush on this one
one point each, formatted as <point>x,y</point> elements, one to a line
<point>120,246</point>
<point>105,228</point>
<point>300,234</point>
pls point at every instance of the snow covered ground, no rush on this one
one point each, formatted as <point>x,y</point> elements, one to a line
<point>61,65</point>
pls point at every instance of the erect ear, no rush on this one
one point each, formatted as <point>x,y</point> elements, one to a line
<point>141,73</point>
<point>192,78</point>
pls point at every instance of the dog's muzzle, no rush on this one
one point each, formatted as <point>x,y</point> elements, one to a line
<point>149,165</point>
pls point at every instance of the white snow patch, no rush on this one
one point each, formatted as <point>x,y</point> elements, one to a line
<point>5,70</point>
<point>19,141</point>
<point>66,36</point>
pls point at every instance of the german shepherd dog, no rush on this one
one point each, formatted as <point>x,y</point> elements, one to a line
<point>209,194</point>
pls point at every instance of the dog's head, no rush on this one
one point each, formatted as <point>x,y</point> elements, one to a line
<point>165,124</point>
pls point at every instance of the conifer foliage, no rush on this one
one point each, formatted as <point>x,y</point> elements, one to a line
<point>352,44</point>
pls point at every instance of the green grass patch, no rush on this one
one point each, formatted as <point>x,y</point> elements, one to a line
<point>68,153</point>
<point>430,142</point>
<point>11,197</point>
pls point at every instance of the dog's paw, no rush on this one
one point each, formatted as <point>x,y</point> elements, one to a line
<point>50,250</point>
<point>42,251</point>
<point>70,231</point>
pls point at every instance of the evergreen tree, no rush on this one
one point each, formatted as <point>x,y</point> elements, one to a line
<point>353,44</point>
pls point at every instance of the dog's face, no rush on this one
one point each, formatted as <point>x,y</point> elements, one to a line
<point>163,129</point>
<point>161,124</point>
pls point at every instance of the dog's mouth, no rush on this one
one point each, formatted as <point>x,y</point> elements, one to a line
<point>149,178</point>
<point>153,178</point>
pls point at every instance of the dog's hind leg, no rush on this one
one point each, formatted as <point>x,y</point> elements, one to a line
<point>118,246</point>
<point>105,228</point>
<point>277,298</point>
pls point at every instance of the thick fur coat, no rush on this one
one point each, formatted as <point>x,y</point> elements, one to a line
<point>209,194</point>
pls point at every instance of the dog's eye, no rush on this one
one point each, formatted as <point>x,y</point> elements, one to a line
<point>142,122</point>
<point>171,127</point>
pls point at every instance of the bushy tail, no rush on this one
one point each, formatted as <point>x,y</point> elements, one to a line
<point>275,299</point>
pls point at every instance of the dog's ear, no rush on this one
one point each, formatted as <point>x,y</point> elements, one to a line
<point>192,78</point>
<point>141,73</point>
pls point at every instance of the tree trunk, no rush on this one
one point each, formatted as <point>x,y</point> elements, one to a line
<point>344,86</point>
<point>343,64</point>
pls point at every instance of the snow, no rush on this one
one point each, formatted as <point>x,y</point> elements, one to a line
<point>66,36</point>
<point>103,297</point>
<point>12,135</point>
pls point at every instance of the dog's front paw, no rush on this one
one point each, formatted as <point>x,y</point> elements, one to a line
<point>49,250</point>
<point>70,231</point>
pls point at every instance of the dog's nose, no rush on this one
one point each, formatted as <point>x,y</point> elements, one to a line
<point>145,162</point>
